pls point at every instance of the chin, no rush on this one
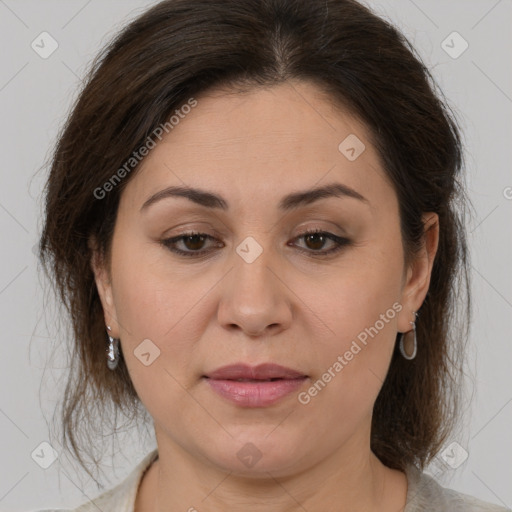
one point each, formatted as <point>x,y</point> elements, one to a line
<point>258,453</point>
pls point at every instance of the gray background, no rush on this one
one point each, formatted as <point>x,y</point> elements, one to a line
<point>35,94</point>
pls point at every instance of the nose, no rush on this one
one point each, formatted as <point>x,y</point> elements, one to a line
<point>255,298</point>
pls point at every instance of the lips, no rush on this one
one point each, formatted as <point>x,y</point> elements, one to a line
<point>255,386</point>
<point>263,372</point>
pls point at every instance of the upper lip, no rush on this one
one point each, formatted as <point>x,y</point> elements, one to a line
<point>260,372</point>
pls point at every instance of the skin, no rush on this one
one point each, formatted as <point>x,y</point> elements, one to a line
<point>286,307</point>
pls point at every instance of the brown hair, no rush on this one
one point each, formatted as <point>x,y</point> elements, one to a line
<point>180,48</point>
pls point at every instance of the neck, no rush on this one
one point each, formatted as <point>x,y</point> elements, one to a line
<point>346,480</point>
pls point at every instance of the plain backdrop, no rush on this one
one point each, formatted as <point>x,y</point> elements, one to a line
<point>35,95</point>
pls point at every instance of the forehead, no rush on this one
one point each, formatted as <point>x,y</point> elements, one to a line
<point>262,143</point>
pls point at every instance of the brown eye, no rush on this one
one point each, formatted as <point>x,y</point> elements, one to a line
<point>315,240</point>
<point>192,244</point>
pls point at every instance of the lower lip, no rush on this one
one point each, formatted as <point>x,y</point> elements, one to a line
<point>255,393</point>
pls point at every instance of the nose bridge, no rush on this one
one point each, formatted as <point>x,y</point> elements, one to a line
<point>252,274</point>
<point>254,298</point>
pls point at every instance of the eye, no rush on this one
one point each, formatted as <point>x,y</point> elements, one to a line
<point>317,239</point>
<point>193,243</point>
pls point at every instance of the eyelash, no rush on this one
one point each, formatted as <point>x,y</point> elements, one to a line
<point>341,242</point>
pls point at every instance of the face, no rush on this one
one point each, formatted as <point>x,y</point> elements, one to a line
<point>251,287</point>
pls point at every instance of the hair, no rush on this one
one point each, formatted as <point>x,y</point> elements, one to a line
<point>179,49</point>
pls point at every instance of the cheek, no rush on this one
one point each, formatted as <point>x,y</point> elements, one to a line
<point>159,313</point>
<point>360,308</point>
<point>352,365</point>
<point>160,325</point>
<point>153,295</point>
<point>363,287</point>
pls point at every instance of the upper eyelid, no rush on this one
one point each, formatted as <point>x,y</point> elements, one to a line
<point>309,225</point>
<point>302,232</point>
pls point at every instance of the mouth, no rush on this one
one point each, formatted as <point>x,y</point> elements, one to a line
<point>258,386</point>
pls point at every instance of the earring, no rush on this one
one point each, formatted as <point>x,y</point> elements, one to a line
<point>112,351</point>
<point>408,342</point>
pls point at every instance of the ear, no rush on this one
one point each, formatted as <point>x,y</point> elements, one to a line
<point>419,272</point>
<point>102,277</point>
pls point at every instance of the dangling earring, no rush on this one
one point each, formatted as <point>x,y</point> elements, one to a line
<point>408,343</point>
<point>112,351</point>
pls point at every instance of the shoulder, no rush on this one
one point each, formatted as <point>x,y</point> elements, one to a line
<point>425,493</point>
<point>121,497</point>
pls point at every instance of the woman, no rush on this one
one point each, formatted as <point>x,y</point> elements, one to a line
<point>252,210</point>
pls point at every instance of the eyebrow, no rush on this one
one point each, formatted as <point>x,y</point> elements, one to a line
<point>290,202</point>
